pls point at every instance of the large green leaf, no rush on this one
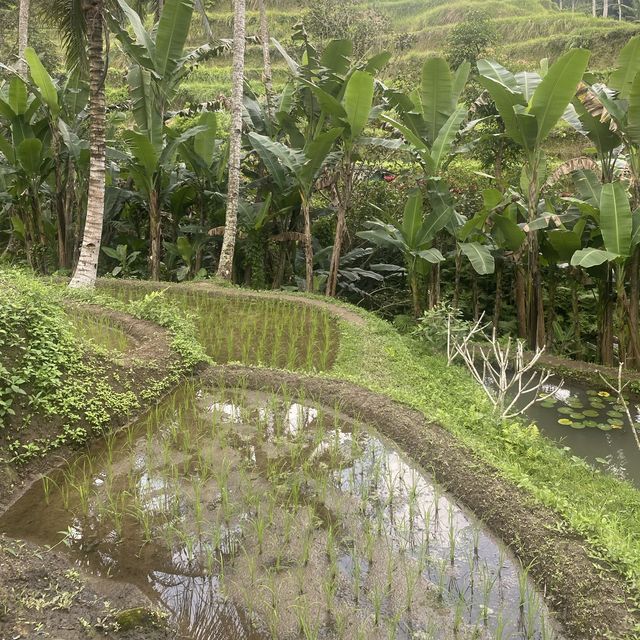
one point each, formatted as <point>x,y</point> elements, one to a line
<point>497,73</point>
<point>204,142</point>
<point>137,51</point>
<point>511,236</point>
<point>172,33</point>
<point>588,185</point>
<point>520,127</point>
<point>565,243</point>
<point>442,145</point>
<point>460,77</point>
<point>633,114</point>
<point>479,256</point>
<point>599,132</point>
<point>29,155</point>
<point>418,144</point>
<point>430,255</point>
<point>590,257</point>
<point>436,95</point>
<point>615,219</point>
<point>271,152</point>
<point>627,68</point>
<point>556,90</point>
<point>335,56</point>
<point>144,103</point>
<point>316,152</point>
<point>357,102</point>
<point>328,103</point>
<point>43,81</point>
<point>18,96</point>
<point>412,219</point>
<point>144,152</point>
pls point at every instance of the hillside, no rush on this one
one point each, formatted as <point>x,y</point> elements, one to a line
<point>526,30</point>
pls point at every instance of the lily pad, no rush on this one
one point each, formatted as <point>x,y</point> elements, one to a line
<point>605,427</point>
<point>604,394</point>
<point>615,414</point>
<point>547,405</point>
<point>590,413</point>
<point>577,416</point>
<point>578,425</point>
<point>565,422</point>
<point>565,410</point>
<point>598,405</point>
<point>591,423</point>
<point>592,392</point>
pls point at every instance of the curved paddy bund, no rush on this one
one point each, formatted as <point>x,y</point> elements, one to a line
<point>563,538</point>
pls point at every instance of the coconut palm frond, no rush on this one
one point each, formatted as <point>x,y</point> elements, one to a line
<point>69,18</point>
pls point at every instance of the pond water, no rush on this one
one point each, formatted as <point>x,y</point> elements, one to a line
<point>250,515</point>
<point>593,425</point>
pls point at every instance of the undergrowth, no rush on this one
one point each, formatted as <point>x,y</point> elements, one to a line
<point>56,388</point>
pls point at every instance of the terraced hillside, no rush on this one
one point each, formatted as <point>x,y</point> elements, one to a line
<point>527,30</point>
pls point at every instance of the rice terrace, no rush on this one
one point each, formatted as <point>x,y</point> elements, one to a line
<point>320,320</point>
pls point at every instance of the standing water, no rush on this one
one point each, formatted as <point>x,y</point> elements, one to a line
<point>252,515</point>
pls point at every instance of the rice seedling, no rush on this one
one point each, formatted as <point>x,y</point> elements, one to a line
<point>378,593</point>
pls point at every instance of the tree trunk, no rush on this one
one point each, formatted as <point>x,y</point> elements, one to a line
<point>497,307</point>
<point>155,234</point>
<point>267,73</point>
<point>605,320</point>
<point>225,266</point>
<point>605,8</point>
<point>620,10</point>
<point>308,243</point>
<point>521,304</point>
<point>456,288</point>
<point>87,267</point>
<point>23,35</point>
<point>634,301</point>
<point>551,309</point>
<point>575,311</point>
<point>344,200</point>
<point>594,11</point>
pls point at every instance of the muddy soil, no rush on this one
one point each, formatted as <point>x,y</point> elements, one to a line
<point>41,593</point>
<point>591,601</point>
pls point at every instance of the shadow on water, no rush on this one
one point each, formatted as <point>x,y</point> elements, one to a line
<point>250,515</point>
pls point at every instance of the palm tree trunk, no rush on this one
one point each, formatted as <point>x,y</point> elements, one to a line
<point>23,35</point>
<point>267,74</point>
<point>225,266</point>
<point>87,267</point>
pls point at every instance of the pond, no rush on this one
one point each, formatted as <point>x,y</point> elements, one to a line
<point>591,422</point>
<point>252,515</point>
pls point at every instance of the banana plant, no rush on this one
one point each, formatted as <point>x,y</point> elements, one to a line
<point>28,162</point>
<point>333,94</point>
<point>617,234</point>
<point>413,239</point>
<point>298,169</point>
<point>530,107</point>
<point>158,65</point>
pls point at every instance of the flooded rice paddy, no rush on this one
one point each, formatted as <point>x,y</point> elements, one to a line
<point>251,515</point>
<point>253,330</point>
